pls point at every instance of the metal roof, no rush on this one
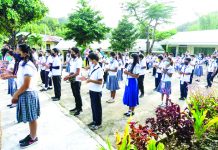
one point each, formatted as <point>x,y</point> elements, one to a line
<point>203,38</point>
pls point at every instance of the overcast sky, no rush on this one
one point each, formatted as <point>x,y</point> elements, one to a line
<point>185,10</point>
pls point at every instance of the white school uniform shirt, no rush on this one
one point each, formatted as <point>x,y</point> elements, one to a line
<point>160,66</point>
<point>113,64</point>
<point>49,61</point>
<point>136,70</point>
<point>74,65</point>
<point>186,69</point>
<point>41,61</point>
<point>10,66</point>
<point>120,63</point>
<point>28,70</point>
<point>165,77</point>
<point>96,73</point>
<point>212,66</point>
<point>142,64</point>
<point>56,62</point>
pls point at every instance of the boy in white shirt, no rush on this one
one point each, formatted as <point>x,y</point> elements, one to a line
<point>142,63</point>
<point>185,78</point>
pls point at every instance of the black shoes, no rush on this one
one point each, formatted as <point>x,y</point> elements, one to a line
<point>141,96</point>
<point>182,99</point>
<point>95,127</point>
<point>56,99</point>
<point>43,90</point>
<point>50,88</point>
<point>91,124</point>
<point>76,111</point>
<point>129,113</point>
<point>27,141</point>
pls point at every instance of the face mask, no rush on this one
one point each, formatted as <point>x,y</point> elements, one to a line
<point>73,56</point>
<point>53,55</point>
<point>186,63</point>
<point>111,58</point>
<point>40,55</point>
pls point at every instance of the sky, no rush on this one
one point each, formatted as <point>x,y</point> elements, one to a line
<point>185,10</point>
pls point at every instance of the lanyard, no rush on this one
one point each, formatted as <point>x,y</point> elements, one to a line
<point>93,72</point>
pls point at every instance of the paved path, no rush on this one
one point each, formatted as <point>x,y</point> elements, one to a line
<point>56,130</point>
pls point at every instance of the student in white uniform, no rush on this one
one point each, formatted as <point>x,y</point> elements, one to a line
<point>185,77</point>
<point>56,74</point>
<point>112,81</point>
<point>165,86</point>
<point>159,66</point>
<point>74,78</point>
<point>211,71</point>
<point>120,68</point>
<point>42,61</point>
<point>95,82</point>
<point>47,65</point>
<point>131,93</point>
<point>26,97</point>
<point>142,63</point>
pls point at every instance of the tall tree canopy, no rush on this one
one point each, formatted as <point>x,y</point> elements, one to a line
<point>124,36</point>
<point>149,16</point>
<point>85,25</point>
<point>15,14</point>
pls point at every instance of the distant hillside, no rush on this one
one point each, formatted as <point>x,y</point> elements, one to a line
<point>206,22</point>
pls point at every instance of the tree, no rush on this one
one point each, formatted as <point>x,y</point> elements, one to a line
<point>15,14</point>
<point>124,36</point>
<point>161,35</point>
<point>85,25</point>
<point>149,16</point>
<point>35,40</point>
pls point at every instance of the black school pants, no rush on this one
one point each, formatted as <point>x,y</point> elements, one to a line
<point>48,81</point>
<point>158,79</point>
<point>42,75</point>
<point>57,86</point>
<point>75,86</point>
<point>141,84</point>
<point>209,79</point>
<point>96,107</point>
<point>184,89</point>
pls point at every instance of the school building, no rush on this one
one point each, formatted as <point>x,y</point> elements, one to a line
<point>194,42</point>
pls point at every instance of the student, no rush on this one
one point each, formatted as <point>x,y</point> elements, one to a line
<point>131,97</point>
<point>165,86</point>
<point>56,74</point>
<point>212,68</point>
<point>159,66</point>
<point>68,58</point>
<point>112,81</point>
<point>74,78</point>
<point>142,63</point>
<point>26,97</point>
<point>192,64</point>
<point>199,67</point>
<point>42,60</point>
<point>95,81</point>
<point>185,77</point>
<point>47,65</point>
<point>120,67</point>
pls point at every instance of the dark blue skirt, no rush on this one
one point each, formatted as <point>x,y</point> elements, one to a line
<point>28,107</point>
<point>112,83</point>
<point>164,87</point>
<point>131,93</point>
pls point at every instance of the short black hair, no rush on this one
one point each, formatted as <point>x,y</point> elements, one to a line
<point>141,56</point>
<point>160,57</point>
<point>93,56</point>
<point>188,59</point>
<point>48,51</point>
<point>56,50</point>
<point>34,49</point>
<point>76,50</point>
<point>112,54</point>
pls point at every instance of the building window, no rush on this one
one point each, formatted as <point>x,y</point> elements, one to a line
<point>48,46</point>
<point>204,50</point>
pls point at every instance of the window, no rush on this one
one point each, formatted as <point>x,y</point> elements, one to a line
<point>204,50</point>
<point>48,46</point>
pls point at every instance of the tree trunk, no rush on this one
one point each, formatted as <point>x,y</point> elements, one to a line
<point>13,40</point>
<point>148,40</point>
<point>153,38</point>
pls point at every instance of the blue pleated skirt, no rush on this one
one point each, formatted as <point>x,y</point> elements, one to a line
<point>112,83</point>
<point>164,87</point>
<point>12,86</point>
<point>68,68</point>
<point>199,71</point>
<point>28,107</point>
<point>131,93</point>
<point>120,75</point>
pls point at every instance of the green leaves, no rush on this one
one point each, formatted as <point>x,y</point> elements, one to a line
<point>152,145</point>
<point>124,36</point>
<point>85,25</point>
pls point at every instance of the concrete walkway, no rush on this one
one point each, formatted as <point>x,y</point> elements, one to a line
<point>56,131</point>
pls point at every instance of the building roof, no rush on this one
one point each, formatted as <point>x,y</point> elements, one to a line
<point>205,38</point>
<point>65,45</point>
